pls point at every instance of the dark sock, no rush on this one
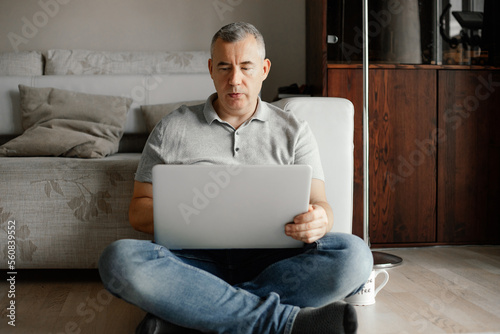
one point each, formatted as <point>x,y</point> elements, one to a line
<point>338,317</point>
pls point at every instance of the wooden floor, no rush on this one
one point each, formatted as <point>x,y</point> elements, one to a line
<point>436,290</point>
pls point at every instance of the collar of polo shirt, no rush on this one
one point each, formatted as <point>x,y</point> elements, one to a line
<point>261,114</point>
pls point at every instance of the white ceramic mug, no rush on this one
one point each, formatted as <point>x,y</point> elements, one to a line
<point>366,296</point>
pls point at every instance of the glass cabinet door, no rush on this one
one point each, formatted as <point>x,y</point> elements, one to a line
<point>444,32</point>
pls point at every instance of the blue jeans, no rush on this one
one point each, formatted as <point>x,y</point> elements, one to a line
<point>235,291</point>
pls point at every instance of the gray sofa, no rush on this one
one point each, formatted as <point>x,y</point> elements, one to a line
<point>66,210</point>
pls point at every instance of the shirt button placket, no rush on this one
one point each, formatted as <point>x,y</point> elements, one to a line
<point>236,142</point>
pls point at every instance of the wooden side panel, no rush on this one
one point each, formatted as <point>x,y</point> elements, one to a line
<point>316,46</point>
<point>348,83</point>
<point>469,157</point>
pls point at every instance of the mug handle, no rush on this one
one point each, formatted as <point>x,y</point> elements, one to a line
<point>386,279</point>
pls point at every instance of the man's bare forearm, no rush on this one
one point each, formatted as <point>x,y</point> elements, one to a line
<point>141,214</point>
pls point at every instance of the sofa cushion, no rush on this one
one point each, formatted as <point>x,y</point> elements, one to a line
<point>77,62</point>
<point>71,124</point>
<point>154,113</point>
<point>25,63</point>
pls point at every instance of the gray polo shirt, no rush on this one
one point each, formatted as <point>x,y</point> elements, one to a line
<point>197,135</point>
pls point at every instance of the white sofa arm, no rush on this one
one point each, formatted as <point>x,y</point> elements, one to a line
<point>332,122</point>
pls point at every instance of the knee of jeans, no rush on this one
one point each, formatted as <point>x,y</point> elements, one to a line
<point>354,250</point>
<point>111,265</point>
<point>362,255</point>
<point>361,260</point>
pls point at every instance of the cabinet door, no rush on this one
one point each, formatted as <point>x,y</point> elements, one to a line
<point>402,151</point>
<point>469,156</point>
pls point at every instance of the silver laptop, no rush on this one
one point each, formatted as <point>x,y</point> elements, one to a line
<point>215,206</point>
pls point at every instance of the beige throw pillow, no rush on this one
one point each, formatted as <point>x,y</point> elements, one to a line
<point>70,124</point>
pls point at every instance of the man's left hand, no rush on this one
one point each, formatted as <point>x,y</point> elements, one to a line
<point>309,226</point>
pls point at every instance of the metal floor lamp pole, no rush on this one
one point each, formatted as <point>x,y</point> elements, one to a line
<point>380,259</point>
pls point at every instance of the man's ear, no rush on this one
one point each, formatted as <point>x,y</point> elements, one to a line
<point>266,68</point>
<point>210,66</point>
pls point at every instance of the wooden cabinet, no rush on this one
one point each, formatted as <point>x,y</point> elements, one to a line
<point>434,153</point>
<point>469,156</point>
<point>434,145</point>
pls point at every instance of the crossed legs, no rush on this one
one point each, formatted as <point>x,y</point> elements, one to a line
<point>239,291</point>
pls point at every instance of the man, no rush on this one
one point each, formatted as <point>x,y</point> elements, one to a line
<point>238,291</point>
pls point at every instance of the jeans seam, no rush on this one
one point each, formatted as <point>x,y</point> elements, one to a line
<point>319,243</point>
<point>291,320</point>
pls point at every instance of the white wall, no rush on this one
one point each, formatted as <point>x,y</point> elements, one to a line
<point>170,25</point>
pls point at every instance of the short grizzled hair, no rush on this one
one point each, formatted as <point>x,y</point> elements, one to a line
<point>235,32</point>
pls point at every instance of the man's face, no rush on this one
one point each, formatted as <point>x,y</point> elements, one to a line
<point>238,71</point>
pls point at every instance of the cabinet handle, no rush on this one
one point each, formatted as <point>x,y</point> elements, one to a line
<point>332,39</point>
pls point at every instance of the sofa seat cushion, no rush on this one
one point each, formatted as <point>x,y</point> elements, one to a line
<point>66,211</point>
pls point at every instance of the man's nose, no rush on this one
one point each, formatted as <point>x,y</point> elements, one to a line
<point>235,77</point>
